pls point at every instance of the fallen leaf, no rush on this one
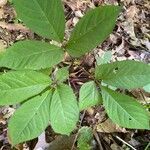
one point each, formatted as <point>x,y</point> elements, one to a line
<point>3,2</point>
<point>2,46</point>
<point>109,127</point>
<point>132,12</point>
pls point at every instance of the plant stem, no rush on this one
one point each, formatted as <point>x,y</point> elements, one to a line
<point>78,130</point>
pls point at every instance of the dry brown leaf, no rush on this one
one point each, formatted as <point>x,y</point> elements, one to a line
<point>3,45</point>
<point>3,2</point>
<point>109,127</point>
<point>127,2</point>
<point>1,13</point>
<point>114,146</point>
<point>132,12</point>
<point>14,27</point>
<point>75,20</point>
<point>2,119</point>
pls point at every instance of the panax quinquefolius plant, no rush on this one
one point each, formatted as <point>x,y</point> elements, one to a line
<point>46,99</point>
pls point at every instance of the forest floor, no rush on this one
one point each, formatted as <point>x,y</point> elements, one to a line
<point>129,40</point>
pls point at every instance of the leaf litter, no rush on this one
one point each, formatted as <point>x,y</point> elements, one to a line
<point>130,40</point>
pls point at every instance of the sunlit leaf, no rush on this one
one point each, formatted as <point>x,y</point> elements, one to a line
<point>125,110</point>
<point>30,119</point>
<point>92,30</point>
<point>124,74</point>
<point>34,55</point>
<point>44,17</point>
<point>17,86</point>
<point>64,112</point>
<point>89,95</point>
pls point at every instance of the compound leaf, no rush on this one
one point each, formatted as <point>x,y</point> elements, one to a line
<point>64,111</point>
<point>124,74</point>
<point>125,110</point>
<point>89,95</point>
<point>92,30</point>
<point>44,17</point>
<point>17,86</point>
<point>30,120</point>
<point>34,55</point>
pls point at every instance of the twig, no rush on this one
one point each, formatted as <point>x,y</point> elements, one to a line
<point>98,140</point>
<point>143,96</point>
<point>78,132</point>
<point>125,142</point>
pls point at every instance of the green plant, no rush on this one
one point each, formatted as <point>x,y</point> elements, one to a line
<point>84,138</point>
<point>46,99</point>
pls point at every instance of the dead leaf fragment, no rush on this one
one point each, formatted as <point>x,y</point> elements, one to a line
<point>132,12</point>
<point>1,13</point>
<point>2,46</point>
<point>109,127</point>
<point>3,2</point>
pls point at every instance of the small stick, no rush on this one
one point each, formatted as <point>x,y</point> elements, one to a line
<point>125,143</point>
<point>143,96</point>
<point>98,140</point>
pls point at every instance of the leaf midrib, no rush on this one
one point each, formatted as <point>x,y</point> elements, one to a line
<point>93,95</point>
<point>22,88</point>
<point>25,84</point>
<point>37,109</point>
<point>46,18</point>
<point>90,29</point>
<point>40,52</point>
<point>123,108</point>
<point>119,76</point>
<point>85,34</point>
<point>62,108</point>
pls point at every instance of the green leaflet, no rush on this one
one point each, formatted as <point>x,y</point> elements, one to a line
<point>124,74</point>
<point>104,59</point>
<point>147,88</point>
<point>44,17</point>
<point>34,55</point>
<point>62,74</point>
<point>30,119</point>
<point>64,112</point>
<point>46,71</point>
<point>85,138</point>
<point>125,110</point>
<point>17,86</point>
<point>89,95</point>
<point>92,30</point>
